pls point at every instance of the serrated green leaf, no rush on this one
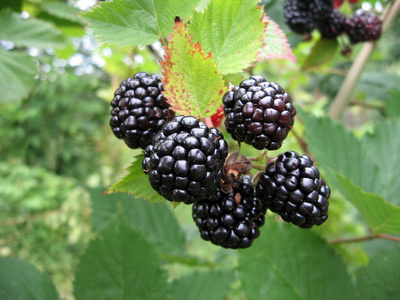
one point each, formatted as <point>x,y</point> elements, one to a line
<point>136,182</point>
<point>136,22</point>
<point>276,45</point>
<point>17,75</point>
<point>206,285</point>
<point>292,263</point>
<point>30,32</point>
<point>193,86</point>
<point>140,215</point>
<point>120,264</point>
<point>322,52</point>
<point>20,280</point>
<point>380,215</point>
<point>392,105</point>
<point>383,149</point>
<point>62,11</point>
<point>232,31</point>
<point>380,279</point>
<point>337,149</point>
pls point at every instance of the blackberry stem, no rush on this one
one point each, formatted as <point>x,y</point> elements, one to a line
<point>365,238</point>
<point>343,97</point>
<point>301,141</point>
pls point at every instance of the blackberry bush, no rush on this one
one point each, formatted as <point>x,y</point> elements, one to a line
<point>231,220</point>
<point>292,187</point>
<point>363,26</point>
<point>139,110</point>
<point>259,112</point>
<point>184,161</point>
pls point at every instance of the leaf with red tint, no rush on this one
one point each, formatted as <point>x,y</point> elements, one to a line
<point>192,83</point>
<point>276,45</point>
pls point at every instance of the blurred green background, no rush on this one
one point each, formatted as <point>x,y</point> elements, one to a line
<point>57,150</point>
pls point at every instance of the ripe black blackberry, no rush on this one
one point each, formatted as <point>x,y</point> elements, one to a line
<point>292,187</point>
<point>298,16</point>
<point>184,161</point>
<point>259,112</point>
<point>332,26</point>
<point>139,110</point>
<point>363,26</point>
<point>231,220</point>
<point>320,9</point>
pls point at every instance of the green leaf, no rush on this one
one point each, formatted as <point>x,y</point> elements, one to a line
<point>380,279</point>
<point>120,264</point>
<point>140,215</point>
<point>17,75</point>
<point>292,263</point>
<point>136,22</point>
<point>392,105</point>
<point>62,11</point>
<point>378,85</point>
<point>192,83</point>
<point>206,285</point>
<point>383,149</point>
<point>232,31</point>
<point>20,280</point>
<point>381,216</point>
<point>30,32</point>
<point>15,5</point>
<point>276,45</point>
<point>322,52</point>
<point>337,149</point>
<point>137,183</point>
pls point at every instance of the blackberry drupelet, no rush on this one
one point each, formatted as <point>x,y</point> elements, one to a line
<point>292,187</point>
<point>298,16</point>
<point>258,112</point>
<point>363,26</point>
<point>231,220</point>
<point>332,26</point>
<point>139,110</point>
<point>320,9</point>
<point>185,160</point>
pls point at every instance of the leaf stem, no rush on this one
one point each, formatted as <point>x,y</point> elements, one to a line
<point>300,140</point>
<point>343,97</point>
<point>365,238</point>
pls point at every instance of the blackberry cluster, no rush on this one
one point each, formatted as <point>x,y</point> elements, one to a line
<point>292,187</point>
<point>185,160</point>
<point>259,112</point>
<point>139,110</point>
<point>363,26</point>
<point>332,26</point>
<point>301,15</point>
<point>231,220</point>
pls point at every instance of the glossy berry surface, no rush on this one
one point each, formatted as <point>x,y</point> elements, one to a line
<point>363,26</point>
<point>259,112</point>
<point>139,110</point>
<point>292,187</point>
<point>231,220</point>
<point>185,160</point>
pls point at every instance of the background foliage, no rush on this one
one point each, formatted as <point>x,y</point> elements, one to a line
<point>62,238</point>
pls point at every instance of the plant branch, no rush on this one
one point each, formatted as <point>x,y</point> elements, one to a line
<point>365,238</point>
<point>343,97</point>
<point>300,140</point>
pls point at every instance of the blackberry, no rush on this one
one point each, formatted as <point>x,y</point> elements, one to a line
<point>332,26</point>
<point>139,110</point>
<point>185,160</point>
<point>258,112</point>
<point>363,26</point>
<point>231,220</point>
<point>320,9</point>
<point>292,187</point>
<point>298,16</point>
